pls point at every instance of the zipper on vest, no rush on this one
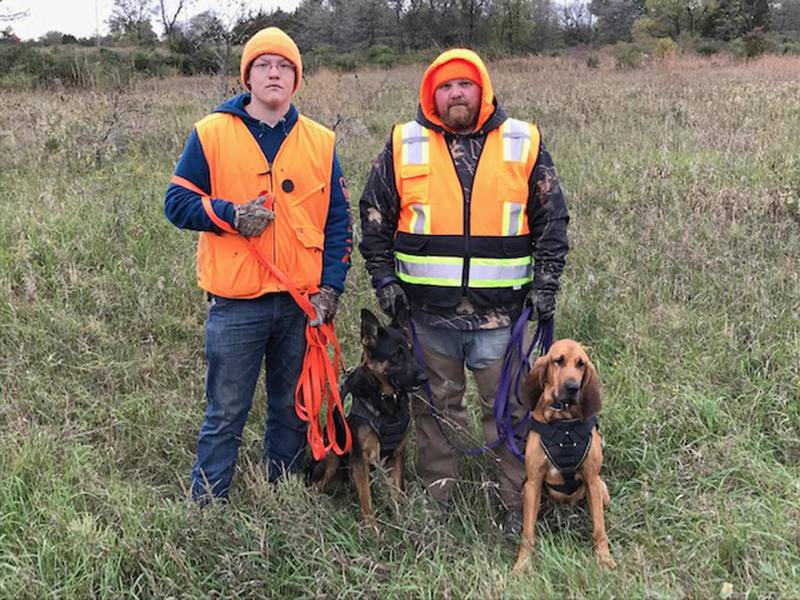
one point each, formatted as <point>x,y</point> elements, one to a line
<point>467,220</point>
<point>274,210</point>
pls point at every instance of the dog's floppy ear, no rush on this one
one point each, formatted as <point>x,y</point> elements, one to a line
<point>369,329</point>
<point>590,392</point>
<point>534,384</point>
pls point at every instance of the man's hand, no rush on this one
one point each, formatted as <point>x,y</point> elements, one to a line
<point>251,219</point>
<point>325,302</point>
<point>391,298</point>
<point>542,303</point>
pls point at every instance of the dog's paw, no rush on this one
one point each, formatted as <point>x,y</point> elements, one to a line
<point>519,566</point>
<point>371,523</point>
<point>606,561</point>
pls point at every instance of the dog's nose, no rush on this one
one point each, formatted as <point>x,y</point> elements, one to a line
<point>571,387</point>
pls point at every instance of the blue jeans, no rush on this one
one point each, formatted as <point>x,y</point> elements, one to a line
<point>240,334</point>
<point>478,348</point>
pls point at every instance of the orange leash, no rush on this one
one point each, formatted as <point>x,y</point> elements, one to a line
<point>319,379</point>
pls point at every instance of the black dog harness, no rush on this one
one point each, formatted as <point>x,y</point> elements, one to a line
<point>390,427</point>
<point>566,444</point>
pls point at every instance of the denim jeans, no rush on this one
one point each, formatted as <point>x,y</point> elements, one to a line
<point>240,334</point>
<point>477,348</point>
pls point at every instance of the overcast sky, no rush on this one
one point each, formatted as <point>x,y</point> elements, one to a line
<point>82,17</point>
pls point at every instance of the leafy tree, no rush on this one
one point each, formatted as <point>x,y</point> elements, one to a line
<point>615,17</point>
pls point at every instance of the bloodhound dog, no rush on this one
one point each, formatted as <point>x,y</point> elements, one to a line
<point>564,451</point>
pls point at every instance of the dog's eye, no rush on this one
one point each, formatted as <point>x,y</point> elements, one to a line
<point>559,361</point>
<point>579,363</point>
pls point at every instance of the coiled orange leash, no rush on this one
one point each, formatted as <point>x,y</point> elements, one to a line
<point>319,379</point>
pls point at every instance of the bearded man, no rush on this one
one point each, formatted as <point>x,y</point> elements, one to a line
<point>464,222</point>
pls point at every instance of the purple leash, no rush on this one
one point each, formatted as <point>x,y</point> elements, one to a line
<point>516,366</point>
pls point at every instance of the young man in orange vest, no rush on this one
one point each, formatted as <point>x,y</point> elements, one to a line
<point>255,169</point>
<point>463,219</point>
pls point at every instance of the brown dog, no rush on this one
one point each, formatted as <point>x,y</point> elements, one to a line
<point>564,451</point>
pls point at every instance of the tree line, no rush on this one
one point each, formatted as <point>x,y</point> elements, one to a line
<point>160,36</point>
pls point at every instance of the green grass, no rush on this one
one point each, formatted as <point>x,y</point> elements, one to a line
<point>683,183</point>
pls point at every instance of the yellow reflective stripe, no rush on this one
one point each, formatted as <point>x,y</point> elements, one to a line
<point>500,272</point>
<point>415,141</point>
<point>420,219</point>
<point>436,260</point>
<point>516,140</point>
<point>499,283</point>
<point>429,280</point>
<point>429,270</point>
<point>512,218</point>
<point>501,262</point>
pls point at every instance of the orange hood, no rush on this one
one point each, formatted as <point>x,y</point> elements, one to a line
<point>426,88</point>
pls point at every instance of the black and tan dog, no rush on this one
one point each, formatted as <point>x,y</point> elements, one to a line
<point>379,418</point>
<point>564,451</point>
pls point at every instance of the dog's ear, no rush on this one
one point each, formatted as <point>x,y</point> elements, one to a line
<point>590,392</point>
<point>534,384</point>
<point>369,329</point>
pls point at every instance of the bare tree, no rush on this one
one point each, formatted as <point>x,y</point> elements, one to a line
<point>170,11</point>
<point>6,16</point>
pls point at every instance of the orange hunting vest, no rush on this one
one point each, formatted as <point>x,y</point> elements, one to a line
<point>299,179</point>
<point>446,248</point>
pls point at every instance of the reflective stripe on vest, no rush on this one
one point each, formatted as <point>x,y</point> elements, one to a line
<point>500,272</point>
<point>429,270</point>
<point>421,221</point>
<point>416,144</point>
<point>512,218</point>
<point>516,140</point>
<point>447,271</point>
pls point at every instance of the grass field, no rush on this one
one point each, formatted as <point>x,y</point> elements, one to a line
<point>683,181</point>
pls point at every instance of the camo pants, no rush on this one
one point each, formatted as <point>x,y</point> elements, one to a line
<point>440,445</point>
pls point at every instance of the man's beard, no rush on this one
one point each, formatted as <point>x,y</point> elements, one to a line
<point>459,117</point>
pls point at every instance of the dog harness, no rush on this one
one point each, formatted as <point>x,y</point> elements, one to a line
<point>566,444</point>
<point>390,427</point>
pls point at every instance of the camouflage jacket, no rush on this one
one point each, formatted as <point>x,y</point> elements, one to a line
<point>547,219</point>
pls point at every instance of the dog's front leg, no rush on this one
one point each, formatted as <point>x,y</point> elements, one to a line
<point>531,499</point>
<point>324,472</point>
<point>397,476</point>
<point>597,495</point>
<point>360,474</point>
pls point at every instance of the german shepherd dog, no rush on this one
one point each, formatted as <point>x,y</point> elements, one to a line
<point>379,418</point>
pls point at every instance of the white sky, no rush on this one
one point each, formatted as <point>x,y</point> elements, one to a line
<point>81,17</point>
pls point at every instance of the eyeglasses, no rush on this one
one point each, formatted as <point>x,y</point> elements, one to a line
<point>284,67</point>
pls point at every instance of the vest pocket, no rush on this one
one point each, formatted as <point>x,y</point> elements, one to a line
<point>415,184</point>
<point>300,198</point>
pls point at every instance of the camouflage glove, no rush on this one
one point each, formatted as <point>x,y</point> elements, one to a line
<point>542,303</point>
<point>251,219</point>
<point>390,298</point>
<point>325,301</point>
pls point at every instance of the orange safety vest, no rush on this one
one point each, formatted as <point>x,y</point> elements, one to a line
<point>298,179</point>
<point>446,248</point>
